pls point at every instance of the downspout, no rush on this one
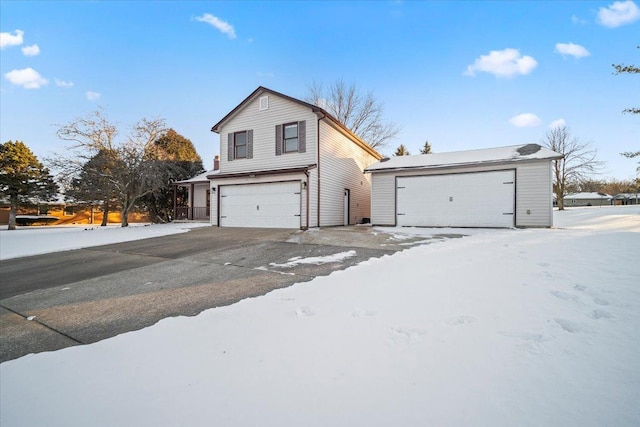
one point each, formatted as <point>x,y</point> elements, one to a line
<point>318,162</point>
<point>191,200</point>
<point>306,172</point>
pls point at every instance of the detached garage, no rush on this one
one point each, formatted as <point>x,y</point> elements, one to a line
<point>495,187</point>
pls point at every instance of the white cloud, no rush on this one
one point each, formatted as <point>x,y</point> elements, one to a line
<point>619,13</point>
<point>502,63</point>
<point>577,20</point>
<point>28,78</point>
<point>32,50</point>
<point>525,120</point>
<point>62,83</point>
<point>92,96</point>
<point>222,26</point>
<point>571,49</point>
<point>557,124</point>
<point>6,39</point>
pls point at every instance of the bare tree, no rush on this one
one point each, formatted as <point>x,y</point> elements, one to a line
<point>578,164</point>
<point>361,112</point>
<point>627,69</point>
<point>136,170</point>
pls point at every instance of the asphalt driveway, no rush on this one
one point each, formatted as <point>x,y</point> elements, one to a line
<point>53,301</point>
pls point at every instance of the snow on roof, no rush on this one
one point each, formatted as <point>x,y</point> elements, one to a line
<point>627,196</point>
<point>585,196</point>
<point>512,153</point>
<point>199,178</point>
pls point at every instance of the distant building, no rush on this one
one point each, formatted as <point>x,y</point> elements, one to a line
<point>587,199</point>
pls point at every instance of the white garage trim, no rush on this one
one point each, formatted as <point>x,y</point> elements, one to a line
<point>265,205</point>
<point>479,199</point>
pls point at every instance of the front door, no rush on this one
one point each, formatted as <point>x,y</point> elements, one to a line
<point>347,196</point>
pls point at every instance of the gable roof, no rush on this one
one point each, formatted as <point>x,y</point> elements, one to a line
<point>514,153</point>
<point>314,108</point>
<point>198,178</point>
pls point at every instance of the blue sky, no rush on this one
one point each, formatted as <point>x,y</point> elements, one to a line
<point>463,75</point>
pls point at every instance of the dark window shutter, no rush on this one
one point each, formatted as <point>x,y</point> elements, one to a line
<point>302,137</point>
<point>230,147</point>
<point>278,140</point>
<point>250,144</point>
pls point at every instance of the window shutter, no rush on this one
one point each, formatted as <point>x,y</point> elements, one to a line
<point>230,147</point>
<point>278,140</point>
<point>302,137</point>
<point>250,144</point>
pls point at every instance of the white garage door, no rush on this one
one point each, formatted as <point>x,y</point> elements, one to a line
<point>484,199</point>
<point>269,205</point>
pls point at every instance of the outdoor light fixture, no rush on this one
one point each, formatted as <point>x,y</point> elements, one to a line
<point>304,185</point>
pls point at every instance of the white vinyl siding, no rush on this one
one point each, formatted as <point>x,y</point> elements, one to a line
<point>341,167</point>
<point>200,195</point>
<point>534,192</point>
<point>263,124</point>
<point>383,199</point>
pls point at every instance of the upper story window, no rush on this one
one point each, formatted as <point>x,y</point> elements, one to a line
<point>291,138</point>
<point>240,145</point>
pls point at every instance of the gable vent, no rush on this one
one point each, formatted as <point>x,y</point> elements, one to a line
<point>264,103</point>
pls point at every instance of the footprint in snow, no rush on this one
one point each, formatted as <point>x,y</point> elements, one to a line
<point>359,312</point>
<point>526,336</point>
<point>601,301</point>
<point>460,320</point>
<point>408,336</point>
<point>570,326</point>
<point>543,264</point>
<point>600,314</point>
<point>304,312</point>
<point>565,296</point>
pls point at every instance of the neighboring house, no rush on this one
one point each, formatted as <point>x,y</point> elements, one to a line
<point>587,199</point>
<point>198,206</point>
<point>285,163</point>
<point>626,199</point>
<point>493,187</point>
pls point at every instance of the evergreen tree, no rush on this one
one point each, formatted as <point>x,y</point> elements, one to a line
<point>23,176</point>
<point>180,161</point>
<point>94,184</point>
<point>401,151</point>
<point>426,149</point>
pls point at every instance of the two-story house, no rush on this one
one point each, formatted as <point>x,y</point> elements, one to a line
<point>285,163</point>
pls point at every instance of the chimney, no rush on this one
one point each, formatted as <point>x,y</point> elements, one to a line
<point>216,163</point>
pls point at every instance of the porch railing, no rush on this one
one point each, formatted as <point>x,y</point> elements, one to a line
<point>186,212</point>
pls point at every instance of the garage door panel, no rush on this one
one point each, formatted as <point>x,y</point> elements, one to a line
<point>483,199</point>
<point>269,205</point>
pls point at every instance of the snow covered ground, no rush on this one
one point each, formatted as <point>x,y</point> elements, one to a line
<point>501,328</point>
<point>41,240</point>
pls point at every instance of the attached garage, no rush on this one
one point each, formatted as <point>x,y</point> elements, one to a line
<point>267,205</point>
<point>480,199</point>
<point>496,187</point>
